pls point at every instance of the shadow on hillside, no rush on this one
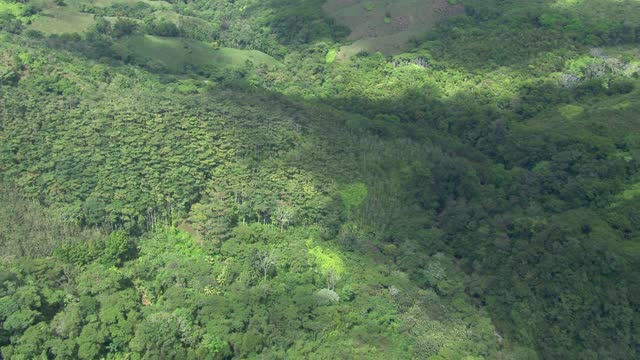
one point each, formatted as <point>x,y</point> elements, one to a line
<point>520,35</point>
<point>439,173</point>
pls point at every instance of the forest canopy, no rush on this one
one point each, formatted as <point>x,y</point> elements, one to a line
<point>270,179</point>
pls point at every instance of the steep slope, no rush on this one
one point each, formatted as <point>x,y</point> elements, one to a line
<point>492,170</point>
<point>281,200</point>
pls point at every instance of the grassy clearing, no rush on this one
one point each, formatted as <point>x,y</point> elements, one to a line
<point>59,20</point>
<point>631,248</point>
<point>76,4</point>
<point>156,4</point>
<point>68,19</point>
<point>113,19</point>
<point>386,26</point>
<point>631,192</point>
<point>571,111</point>
<point>178,19</point>
<point>169,15</point>
<point>176,53</point>
<point>389,44</point>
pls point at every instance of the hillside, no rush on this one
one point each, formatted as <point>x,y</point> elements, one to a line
<point>387,26</point>
<point>319,179</point>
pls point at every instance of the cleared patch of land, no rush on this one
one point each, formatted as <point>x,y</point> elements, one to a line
<point>181,20</point>
<point>176,53</point>
<point>59,20</point>
<point>156,4</point>
<point>387,26</point>
<point>172,54</point>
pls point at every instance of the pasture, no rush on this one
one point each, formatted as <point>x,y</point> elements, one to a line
<point>59,20</point>
<point>387,26</point>
<point>56,19</point>
<point>160,5</point>
<point>176,53</point>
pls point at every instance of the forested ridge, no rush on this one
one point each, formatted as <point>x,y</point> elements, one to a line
<point>256,179</point>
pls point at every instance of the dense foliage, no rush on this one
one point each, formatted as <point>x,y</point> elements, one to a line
<point>476,197</point>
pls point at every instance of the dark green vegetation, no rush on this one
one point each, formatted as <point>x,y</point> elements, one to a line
<point>212,180</point>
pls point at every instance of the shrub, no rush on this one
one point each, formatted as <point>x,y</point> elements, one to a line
<point>620,87</point>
